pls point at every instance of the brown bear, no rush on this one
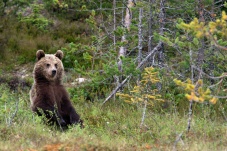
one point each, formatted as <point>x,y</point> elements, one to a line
<point>48,96</point>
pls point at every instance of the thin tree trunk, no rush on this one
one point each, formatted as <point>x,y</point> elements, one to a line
<point>189,116</point>
<point>140,46</point>
<point>114,22</point>
<point>116,78</point>
<point>122,50</point>
<point>150,23</point>
<point>140,40</point>
<point>127,22</point>
<point>200,57</point>
<point>161,32</point>
<point>191,101</point>
<point>144,113</point>
<point>150,20</point>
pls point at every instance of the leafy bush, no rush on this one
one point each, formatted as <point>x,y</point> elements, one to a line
<point>35,17</point>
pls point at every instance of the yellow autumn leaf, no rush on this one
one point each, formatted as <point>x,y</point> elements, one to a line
<point>212,24</point>
<point>133,100</point>
<point>123,95</point>
<point>190,87</point>
<point>159,100</point>
<point>218,20</point>
<point>184,25</point>
<point>212,31</point>
<point>200,90</point>
<point>151,103</point>
<point>224,16</point>
<point>150,96</point>
<point>207,92</point>
<point>158,95</point>
<point>178,82</point>
<point>139,99</point>
<point>189,81</point>
<point>213,100</point>
<point>194,22</point>
<point>189,97</point>
<point>127,101</point>
<point>154,81</point>
<point>194,97</point>
<point>118,94</point>
<point>201,99</point>
<point>199,34</point>
<point>200,82</point>
<point>144,81</point>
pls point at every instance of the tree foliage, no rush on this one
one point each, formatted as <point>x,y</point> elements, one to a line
<point>196,92</point>
<point>145,91</point>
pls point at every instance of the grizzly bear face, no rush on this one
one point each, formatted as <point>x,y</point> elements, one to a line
<point>49,67</point>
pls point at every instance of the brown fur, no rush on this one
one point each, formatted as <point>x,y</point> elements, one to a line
<point>48,95</point>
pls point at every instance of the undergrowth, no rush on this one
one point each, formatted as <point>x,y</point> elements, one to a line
<point>114,126</point>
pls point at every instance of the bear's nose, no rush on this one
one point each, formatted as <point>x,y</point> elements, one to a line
<point>53,72</point>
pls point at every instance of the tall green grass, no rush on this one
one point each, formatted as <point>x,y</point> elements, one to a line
<point>114,126</point>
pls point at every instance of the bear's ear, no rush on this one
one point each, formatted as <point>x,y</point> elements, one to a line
<point>59,54</point>
<point>40,54</point>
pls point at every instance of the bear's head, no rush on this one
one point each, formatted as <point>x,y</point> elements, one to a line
<point>49,67</point>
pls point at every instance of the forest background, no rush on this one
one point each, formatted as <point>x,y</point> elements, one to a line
<point>144,75</point>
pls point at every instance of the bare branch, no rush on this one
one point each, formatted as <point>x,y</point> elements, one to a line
<point>14,114</point>
<point>117,88</point>
<point>221,97</point>
<point>216,43</point>
<point>138,67</point>
<point>211,77</point>
<point>177,140</point>
<point>211,86</point>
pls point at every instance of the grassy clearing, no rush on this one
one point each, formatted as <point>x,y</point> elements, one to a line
<point>114,126</point>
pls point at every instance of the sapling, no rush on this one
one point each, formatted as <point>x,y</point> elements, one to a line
<point>144,93</point>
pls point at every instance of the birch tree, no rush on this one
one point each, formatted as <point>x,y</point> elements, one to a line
<point>127,22</point>
<point>140,36</point>
<point>161,32</point>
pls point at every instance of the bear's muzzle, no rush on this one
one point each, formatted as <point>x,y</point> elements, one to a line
<point>54,73</point>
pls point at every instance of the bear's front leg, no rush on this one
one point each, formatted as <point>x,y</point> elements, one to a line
<point>69,110</point>
<point>52,115</point>
<point>55,117</point>
<point>75,118</point>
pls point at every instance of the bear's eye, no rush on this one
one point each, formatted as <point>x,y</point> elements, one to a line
<point>56,65</point>
<point>48,65</point>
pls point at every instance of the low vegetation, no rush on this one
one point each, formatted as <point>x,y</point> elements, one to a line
<point>115,125</point>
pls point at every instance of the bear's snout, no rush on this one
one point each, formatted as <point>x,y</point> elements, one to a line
<point>54,72</point>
